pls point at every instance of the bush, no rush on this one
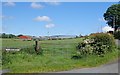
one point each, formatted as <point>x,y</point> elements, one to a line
<point>98,44</point>
<point>103,39</point>
<point>117,35</point>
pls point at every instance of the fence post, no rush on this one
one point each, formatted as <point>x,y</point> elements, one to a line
<point>37,47</point>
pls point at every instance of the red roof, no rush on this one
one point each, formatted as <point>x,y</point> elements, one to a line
<point>24,37</point>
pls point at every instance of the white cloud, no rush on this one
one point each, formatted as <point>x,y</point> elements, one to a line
<point>6,17</point>
<point>42,18</point>
<point>49,25</point>
<point>101,20</point>
<point>9,4</point>
<point>36,5</point>
<point>107,28</point>
<point>52,2</point>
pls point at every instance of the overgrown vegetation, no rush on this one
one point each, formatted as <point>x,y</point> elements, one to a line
<point>97,44</point>
<point>117,35</point>
<point>56,57</point>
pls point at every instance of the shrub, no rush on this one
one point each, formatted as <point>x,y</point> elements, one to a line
<point>103,39</point>
<point>98,44</point>
<point>117,35</point>
<point>84,48</point>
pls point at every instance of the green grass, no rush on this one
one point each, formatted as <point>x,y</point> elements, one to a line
<point>56,57</point>
<point>16,43</point>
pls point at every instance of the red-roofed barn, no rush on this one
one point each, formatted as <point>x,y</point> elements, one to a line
<point>25,37</point>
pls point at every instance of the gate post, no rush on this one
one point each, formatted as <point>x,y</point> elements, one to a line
<point>37,46</point>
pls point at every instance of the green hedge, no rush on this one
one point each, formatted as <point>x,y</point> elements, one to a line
<point>98,44</point>
<point>117,35</point>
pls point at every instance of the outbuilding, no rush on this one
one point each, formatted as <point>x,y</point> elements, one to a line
<point>25,37</point>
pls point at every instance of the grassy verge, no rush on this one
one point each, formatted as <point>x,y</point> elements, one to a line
<point>56,57</point>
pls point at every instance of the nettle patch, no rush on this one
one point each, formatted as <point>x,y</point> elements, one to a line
<point>96,44</point>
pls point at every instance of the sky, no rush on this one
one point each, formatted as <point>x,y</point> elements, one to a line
<point>53,18</point>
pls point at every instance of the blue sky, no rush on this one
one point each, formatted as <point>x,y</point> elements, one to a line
<point>65,18</point>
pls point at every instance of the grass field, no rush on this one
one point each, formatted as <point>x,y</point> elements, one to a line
<point>56,56</point>
<point>16,43</point>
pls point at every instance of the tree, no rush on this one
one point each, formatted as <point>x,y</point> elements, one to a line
<point>19,35</point>
<point>11,36</point>
<point>112,16</point>
<point>4,35</point>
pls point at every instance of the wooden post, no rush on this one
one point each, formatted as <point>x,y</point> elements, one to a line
<point>37,47</point>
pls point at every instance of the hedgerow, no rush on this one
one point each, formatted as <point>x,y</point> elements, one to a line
<point>97,44</point>
<point>117,35</point>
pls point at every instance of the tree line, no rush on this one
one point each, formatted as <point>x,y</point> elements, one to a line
<point>4,35</point>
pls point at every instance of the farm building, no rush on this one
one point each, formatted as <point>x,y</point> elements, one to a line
<point>25,37</point>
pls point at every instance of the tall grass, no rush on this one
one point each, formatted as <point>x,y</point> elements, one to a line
<point>56,57</point>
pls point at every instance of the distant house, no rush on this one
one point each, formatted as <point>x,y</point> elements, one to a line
<point>25,37</point>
